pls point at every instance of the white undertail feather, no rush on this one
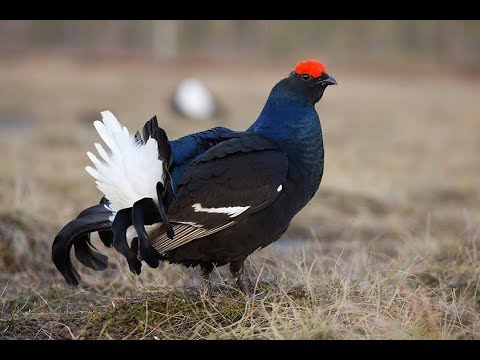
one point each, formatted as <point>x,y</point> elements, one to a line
<point>130,171</point>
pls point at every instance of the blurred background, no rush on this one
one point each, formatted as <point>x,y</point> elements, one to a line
<point>401,130</point>
<point>377,43</point>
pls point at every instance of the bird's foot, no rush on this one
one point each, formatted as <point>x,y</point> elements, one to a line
<point>207,289</point>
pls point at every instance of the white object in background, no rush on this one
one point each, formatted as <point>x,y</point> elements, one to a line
<point>194,100</point>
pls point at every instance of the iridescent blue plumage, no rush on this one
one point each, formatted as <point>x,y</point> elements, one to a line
<point>187,148</point>
<point>290,120</point>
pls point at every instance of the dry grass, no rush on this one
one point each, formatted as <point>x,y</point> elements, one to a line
<point>388,248</point>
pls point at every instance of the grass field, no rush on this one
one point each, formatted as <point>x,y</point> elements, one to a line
<point>388,248</point>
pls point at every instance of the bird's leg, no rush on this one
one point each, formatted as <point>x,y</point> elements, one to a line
<point>122,221</point>
<point>238,271</point>
<point>144,212</point>
<point>207,269</point>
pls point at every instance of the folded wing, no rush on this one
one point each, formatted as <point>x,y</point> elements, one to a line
<point>238,177</point>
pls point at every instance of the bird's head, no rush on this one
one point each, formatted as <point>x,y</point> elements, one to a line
<point>309,80</point>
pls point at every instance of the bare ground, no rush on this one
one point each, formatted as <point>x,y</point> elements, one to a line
<point>388,248</point>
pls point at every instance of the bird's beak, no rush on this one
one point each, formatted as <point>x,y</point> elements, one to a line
<point>328,81</point>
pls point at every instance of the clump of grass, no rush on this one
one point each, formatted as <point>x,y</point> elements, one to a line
<point>22,240</point>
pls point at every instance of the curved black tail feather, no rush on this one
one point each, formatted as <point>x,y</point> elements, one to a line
<point>151,129</point>
<point>122,221</point>
<point>77,233</point>
<point>145,212</point>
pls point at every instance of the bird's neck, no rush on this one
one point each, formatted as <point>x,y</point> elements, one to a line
<point>295,127</point>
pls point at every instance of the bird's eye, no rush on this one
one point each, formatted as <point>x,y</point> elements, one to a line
<point>306,77</point>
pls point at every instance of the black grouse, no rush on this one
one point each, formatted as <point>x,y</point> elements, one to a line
<point>209,198</point>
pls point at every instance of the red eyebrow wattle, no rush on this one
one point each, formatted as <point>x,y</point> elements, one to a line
<point>314,68</point>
